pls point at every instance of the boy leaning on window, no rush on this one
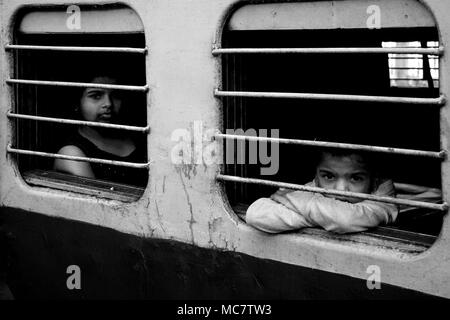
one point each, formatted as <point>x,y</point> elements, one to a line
<point>288,210</point>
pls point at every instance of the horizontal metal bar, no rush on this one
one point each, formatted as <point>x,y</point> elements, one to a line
<point>412,55</point>
<point>363,196</point>
<point>420,58</point>
<point>412,79</point>
<point>335,97</point>
<point>78,84</point>
<point>412,68</point>
<point>82,159</point>
<point>324,144</point>
<point>79,122</point>
<point>77,49</point>
<point>429,51</point>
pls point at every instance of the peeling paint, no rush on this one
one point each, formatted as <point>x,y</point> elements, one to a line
<point>188,170</point>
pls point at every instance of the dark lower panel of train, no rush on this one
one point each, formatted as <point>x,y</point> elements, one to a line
<point>115,265</point>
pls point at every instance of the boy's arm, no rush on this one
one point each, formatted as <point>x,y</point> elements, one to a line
<point>270,216</point>
<point>339,216</point>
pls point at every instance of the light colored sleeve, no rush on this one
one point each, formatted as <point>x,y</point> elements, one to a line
<point>270,216</point>
<point>339,216</point>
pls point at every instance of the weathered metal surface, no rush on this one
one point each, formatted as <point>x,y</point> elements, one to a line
<point>184,204</point>
<point>329,15</point>
<point>112,20</point>
<point>120,266</point>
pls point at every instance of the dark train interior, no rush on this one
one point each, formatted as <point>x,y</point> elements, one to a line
<point>60,102</point>
<point>379,124</point>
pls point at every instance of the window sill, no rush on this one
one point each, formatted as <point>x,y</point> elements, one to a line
<point>82,185</point>
<point>386,237</point>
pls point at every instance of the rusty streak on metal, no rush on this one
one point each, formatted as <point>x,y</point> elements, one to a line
<point>418,204</point>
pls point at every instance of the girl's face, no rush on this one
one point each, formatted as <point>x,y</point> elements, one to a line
<point>100,105</point>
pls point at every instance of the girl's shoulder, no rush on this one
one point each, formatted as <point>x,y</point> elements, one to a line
<point>121,149</point>
<point>83,144</point>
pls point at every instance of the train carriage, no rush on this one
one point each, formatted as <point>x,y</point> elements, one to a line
<point>210,84</point>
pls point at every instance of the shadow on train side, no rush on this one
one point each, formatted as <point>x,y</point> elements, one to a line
<point>115,265</point>
<point>5,292</point>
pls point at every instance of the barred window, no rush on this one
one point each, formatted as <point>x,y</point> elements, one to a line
<point>58,51</point>
<point>325,80</point>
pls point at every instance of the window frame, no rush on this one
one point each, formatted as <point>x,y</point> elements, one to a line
<point>375,237</point>
<point>59,181</point>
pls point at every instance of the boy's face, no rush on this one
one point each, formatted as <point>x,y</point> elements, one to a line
<point>344,173</point>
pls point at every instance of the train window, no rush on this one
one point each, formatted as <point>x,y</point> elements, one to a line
<point>322,75</point>
<point>59,52</point>
<point>413,70</point>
